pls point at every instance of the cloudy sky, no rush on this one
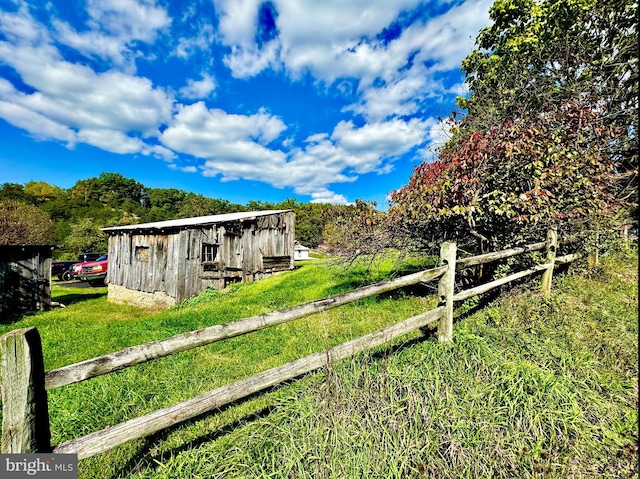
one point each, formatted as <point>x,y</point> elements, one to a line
<point>323,100</point>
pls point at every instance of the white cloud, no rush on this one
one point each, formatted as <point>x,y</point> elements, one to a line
<point>201,41</point>
<point>248,62</point>
<point>316,138</point>
<point>128,19</point>
<point>313,35</point>
<point>326,196</point>
<point>114,28</point>
<point>228,142</point>
<point>36,124</point>
<point>334,40</point>
<point>184,169</point>
<point>237,146</point>
<point>70,102</point>
<point>110,140</point>
<point>158,151</point>
<point>20,27</point>
<point>78,97</point>
<point>198,89</point>
<point>351,151</point>
<point>386,139</point>
<point>399,98</point>
<point>238,20</point>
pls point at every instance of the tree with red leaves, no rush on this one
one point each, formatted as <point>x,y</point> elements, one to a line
<point>511,182</point>
<point>550,132</point>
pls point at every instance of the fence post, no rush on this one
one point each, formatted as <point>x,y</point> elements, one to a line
<point>445,291</point>
<point>25,412</point>
<point>552,247</point>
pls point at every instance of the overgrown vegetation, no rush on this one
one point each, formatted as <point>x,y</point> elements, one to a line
<point>528,388</point>
<point>548,131</point>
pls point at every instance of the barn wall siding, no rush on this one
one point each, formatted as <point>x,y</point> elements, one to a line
<point>171,262</point>
<point>25,278</point>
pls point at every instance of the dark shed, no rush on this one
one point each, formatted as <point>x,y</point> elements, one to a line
<point>25,278</point>
<point>159,264</point>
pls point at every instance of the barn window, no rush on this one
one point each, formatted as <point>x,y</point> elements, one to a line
<point>209,252</point>
<point>142,253</point>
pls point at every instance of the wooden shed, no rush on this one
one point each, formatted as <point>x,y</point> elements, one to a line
<point>25,278</point>
<point>160,264</point>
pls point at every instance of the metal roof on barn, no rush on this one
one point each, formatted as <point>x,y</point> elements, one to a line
<point>196,221</point>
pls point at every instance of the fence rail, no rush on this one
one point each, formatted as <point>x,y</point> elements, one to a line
<point>109,438</point>
<point>25,425</point>
<point>194,339</point>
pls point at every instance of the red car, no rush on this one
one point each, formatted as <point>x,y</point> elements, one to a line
<point>64,269</point>
<point>95,272</point>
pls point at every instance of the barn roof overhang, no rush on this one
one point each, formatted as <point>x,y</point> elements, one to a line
<point>198,221</point>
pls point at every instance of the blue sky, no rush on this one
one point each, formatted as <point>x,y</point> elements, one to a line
<point>323,100</point>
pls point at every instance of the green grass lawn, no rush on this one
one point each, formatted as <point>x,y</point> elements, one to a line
<point>528,387</point>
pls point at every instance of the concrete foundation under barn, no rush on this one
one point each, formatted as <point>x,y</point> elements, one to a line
<point>156,300</point>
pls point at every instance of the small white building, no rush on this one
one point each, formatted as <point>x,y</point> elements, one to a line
<point>300,252</point>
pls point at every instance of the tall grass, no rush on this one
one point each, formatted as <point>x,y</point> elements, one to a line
<point>528,387</point>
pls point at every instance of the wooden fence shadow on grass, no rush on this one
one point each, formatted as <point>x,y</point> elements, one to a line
<point>144,458</point>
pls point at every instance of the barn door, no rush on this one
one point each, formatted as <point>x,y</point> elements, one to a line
<point>233,252</point>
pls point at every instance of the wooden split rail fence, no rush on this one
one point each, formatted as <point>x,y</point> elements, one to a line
<point>25,418</point>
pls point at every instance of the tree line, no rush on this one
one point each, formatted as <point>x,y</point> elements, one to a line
<point>38,212</point>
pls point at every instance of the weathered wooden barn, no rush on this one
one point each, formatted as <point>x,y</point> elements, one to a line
<point>25,278</point>
<point>160,264</point>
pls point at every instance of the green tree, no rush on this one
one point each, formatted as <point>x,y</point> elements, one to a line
<point>24,224</point>
<point>198,205</point>
<point>14,191</point>
<point>170,198</point>
<point>85,237</point>
<point>85,192</point>
<point>311,219</point>
<point>258,205</point>
<point>43,192</point>
<point>54,201</point>
<point>115,187</point>
<point>163,204</point>
<point>539,56</point>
